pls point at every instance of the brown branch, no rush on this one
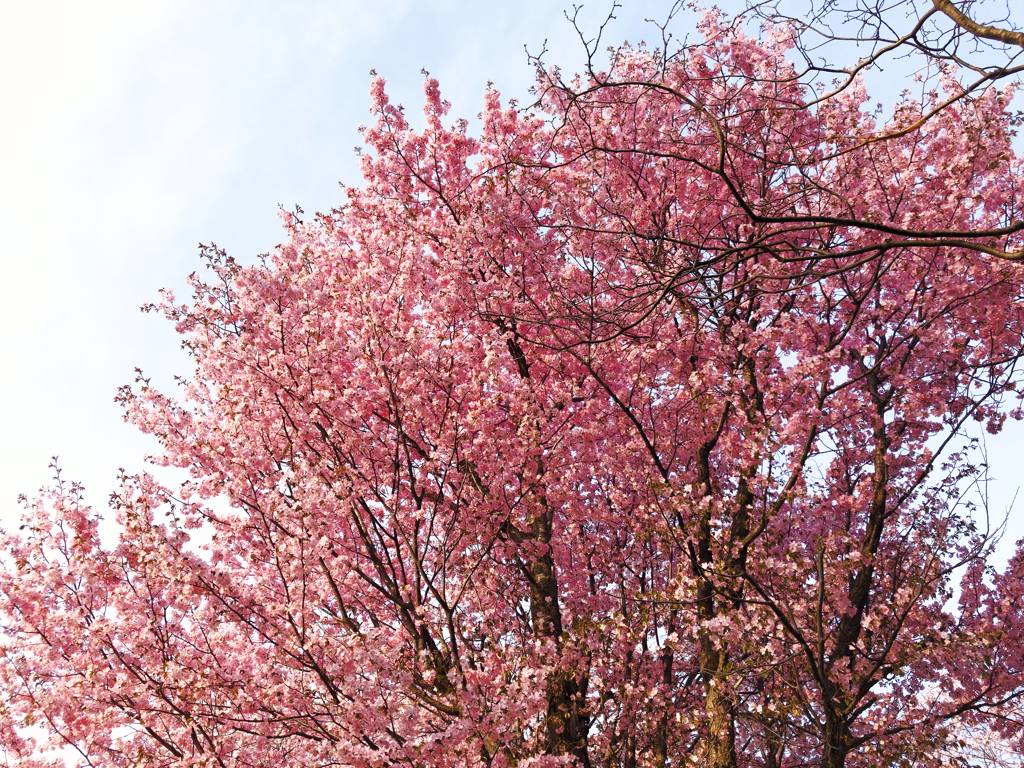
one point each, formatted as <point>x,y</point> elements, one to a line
<point>962,20</point>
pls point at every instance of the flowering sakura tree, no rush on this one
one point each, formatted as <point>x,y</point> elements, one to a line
<point>630,432</point>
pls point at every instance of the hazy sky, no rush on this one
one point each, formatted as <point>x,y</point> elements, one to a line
<point>134,130</point>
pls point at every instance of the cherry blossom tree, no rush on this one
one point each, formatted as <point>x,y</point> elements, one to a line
<point>632,431</point>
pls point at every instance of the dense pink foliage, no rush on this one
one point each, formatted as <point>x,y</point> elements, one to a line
<point>608,436</point>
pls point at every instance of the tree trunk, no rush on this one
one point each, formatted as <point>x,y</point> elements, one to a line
<point>566,726</point>
<point>837,744</point>
<point>566,723</point>
<point>718,705</point>
<point>713,657</point>
<point>714,664</point>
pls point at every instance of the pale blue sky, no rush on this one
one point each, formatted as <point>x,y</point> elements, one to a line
<point>134,129</point>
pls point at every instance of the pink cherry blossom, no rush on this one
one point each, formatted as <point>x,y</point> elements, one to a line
<point>630,432</point>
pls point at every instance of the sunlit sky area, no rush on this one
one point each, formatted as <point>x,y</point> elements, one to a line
<point>134,130</point>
